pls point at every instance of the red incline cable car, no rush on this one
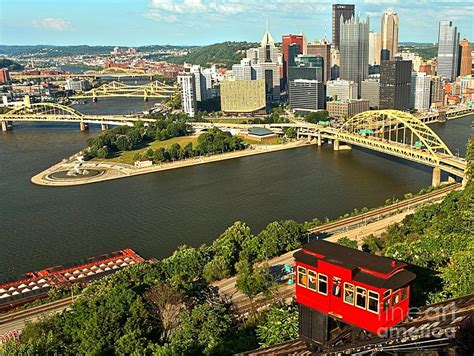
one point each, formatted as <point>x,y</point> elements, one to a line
<point>336,282</point>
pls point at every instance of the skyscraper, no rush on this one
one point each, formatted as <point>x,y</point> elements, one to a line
<point>188,93</point>
<point>323,49</point>
<point>354,48</point>
<point>420,91</point>
<point>375,48</point>
<point>307,67</point>
<point>270,70</point>
<point>465,54</point>
<point>389,35</point>
<point>437,91</point>
<point>338,10</point>
<point>395,84</point>
<point>286,41</point>
<point>448,49</point>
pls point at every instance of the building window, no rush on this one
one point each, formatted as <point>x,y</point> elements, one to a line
<point>322,284</point>
<point>404,293</point>
<point>395,298</point>
<point>336,286</point>
<point>349,293</point>
<point>361,297</point>
<point>373,304</point>
<point>302,276</point>
<point>312,280</point>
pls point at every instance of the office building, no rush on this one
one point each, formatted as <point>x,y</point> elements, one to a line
<point>395,84</point>
<point>307,67</point>
<point>354,50</point>
<point>287,57</point>
<point>448,49</point>
<point>370,90</point>
<point>437,91</point>
<point>269,68</point>
<point>203,83</point>
<point>4,75</point>
<point>77,85</point>
<point>347,108</point>
<point>420,91</point>
<point>306,95</point>
<point>335,63</point>
<point>344,11</point>
<point>323,49</point>
<point>252,55</point>
<point>375,48</point>
<point>389,35</point>
<point>465,57</point>
<point>188,93</point>
<point>341,89</point>
<point>242,71</point>
<point>243,96</point>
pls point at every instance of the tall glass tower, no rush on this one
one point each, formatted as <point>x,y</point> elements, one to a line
<point>354,48</point>
<point>448,49</point>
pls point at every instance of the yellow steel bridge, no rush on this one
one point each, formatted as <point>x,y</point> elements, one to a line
<point>116,89</point>
<point>391,132</point>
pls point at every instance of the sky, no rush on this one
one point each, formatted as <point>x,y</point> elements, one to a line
<point>201,22</point>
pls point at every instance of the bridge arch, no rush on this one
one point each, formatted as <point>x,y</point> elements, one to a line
<point>42,109</point>
<point>395,127</point>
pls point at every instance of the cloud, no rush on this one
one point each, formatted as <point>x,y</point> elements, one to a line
<point>50,23</point>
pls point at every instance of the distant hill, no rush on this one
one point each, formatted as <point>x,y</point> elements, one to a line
<point>424,50</point>
<point>53,51</point>
<point>221,54</point>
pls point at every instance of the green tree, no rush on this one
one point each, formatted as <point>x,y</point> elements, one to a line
<point>347,242</point>
<point>278,324</point>
<point>203,330</point>
<point>252,280</point>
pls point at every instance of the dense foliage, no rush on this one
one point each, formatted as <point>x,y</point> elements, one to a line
<point>10,65</point>
<point>220,54</point>
<point>125,138</point>
<point>211,142</point>
<point>424,50</point>
<point>278,325</point>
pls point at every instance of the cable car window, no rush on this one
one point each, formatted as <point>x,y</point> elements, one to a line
<point>387,293</point>
<point>302,276</point>
<point>386,304</point>
<point>373,304</point>
<point>361,297</point>
<point>349,293</point>
<point>404,293</point>
<point>395,298</point>
<point>322,284</point>
<point>312,284</point>
<point>336,286</point>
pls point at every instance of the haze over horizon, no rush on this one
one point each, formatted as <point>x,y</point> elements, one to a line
<point>201,22</point>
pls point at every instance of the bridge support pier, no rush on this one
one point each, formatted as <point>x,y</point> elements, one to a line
<point>94,99</point>
<point>84,126</point>
<point>335,145</point>
<point>451,178</point>
<point>320,139</point>
<point>6,126</point>
<point>104,127</point>
<point>436,179</point>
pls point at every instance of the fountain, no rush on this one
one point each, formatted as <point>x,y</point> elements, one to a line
<point>76,172</point>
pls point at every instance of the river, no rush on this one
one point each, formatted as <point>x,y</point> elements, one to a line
<point>154,214</point>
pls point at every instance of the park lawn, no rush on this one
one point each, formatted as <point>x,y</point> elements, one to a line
<point>126,157</point>
<point>273,141</point>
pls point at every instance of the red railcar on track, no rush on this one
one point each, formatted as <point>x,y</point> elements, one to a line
<point>363,290</point>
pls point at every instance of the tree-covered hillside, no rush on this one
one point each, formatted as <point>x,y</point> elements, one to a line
<point>11,65</point>
<point>221,54</point>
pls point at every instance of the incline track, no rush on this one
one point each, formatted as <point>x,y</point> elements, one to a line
<point>433,328</point>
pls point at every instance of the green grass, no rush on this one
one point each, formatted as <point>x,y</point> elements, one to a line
<point>240,120</point>
<point>126,157</point>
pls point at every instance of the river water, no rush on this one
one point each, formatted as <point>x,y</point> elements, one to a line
<point>154,214</point>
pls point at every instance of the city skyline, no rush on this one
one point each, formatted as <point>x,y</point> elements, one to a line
<point>174,22</point>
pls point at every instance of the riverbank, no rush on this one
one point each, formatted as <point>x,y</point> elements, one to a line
<point>115,170</point>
